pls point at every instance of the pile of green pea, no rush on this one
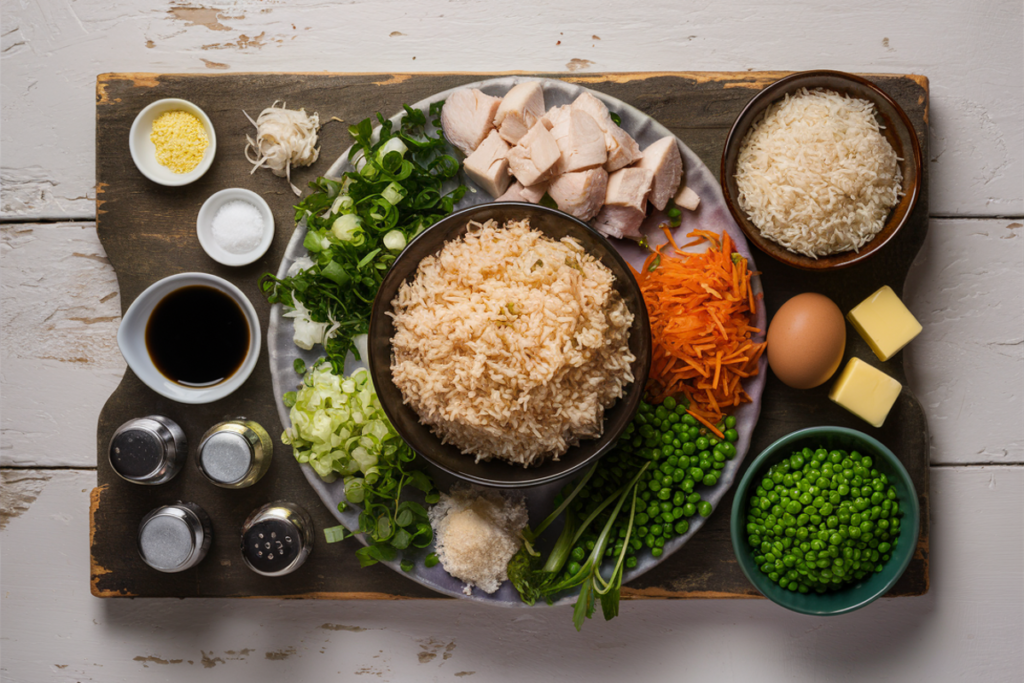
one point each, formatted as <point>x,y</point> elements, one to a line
<point>683,455</point>
<point>822,519</point>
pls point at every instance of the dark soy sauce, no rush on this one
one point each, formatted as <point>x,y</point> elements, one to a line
<point>197,336</point>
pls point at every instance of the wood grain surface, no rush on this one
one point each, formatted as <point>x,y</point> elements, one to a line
<point>148,232</point>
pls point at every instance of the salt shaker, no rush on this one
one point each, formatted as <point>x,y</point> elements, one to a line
<point>235,454</point>
<point>148,450</point>
<point>277,538</point>
<point>173,538</point>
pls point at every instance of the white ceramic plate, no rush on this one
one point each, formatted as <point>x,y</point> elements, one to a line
<point>712,215</point>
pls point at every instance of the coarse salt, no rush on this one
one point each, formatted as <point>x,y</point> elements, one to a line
<point>238,227</point>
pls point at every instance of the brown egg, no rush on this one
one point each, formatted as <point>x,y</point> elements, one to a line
<point>806,340</point>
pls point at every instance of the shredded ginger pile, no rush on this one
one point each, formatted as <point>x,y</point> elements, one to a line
<point>816,175</point>
<point>284,138</point>
<point>477,533</point>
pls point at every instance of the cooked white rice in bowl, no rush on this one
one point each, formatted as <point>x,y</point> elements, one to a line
<point>511,345</point>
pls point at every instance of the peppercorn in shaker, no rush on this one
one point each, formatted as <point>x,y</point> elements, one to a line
<point>148,450</point>
<point>277,538</point>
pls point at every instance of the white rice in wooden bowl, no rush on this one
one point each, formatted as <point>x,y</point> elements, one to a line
<point>511,345</point>
<point>816,175</point>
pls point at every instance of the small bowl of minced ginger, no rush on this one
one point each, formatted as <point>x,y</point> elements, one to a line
<point>172,142</point>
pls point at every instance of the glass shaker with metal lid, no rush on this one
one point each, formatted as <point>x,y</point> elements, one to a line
<point>235,454</point>
<point>148,450</point>
<point>277,538</point>
<point>173,538</point>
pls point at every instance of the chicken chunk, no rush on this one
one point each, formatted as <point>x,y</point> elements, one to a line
<point>687,199</point>
<point>467,117</point>
<point>514,193</point>
<point>580,194</point>
<point>517,193</point>
<point>521,107</point>
<point>619,221</point>
<point>488,165</point>
<point>556,115</point>
<point>534,193</point>
<point>581,142</point>
<point>629,187</point>
<point>622,149</point>
<point>663,159</point>
<point>535,156</point>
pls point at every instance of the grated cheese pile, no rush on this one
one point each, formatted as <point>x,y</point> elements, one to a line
<point>816,175</point>
<point>180,140</point>
<point>476,533</point>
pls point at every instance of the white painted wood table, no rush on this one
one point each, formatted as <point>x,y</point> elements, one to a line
<point>60,361</point>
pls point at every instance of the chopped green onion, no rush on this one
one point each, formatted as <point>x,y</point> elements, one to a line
<point>394,240</point>
<point>335,533</point>
<point>394,193</point>
<point>312,242</point>
<point>335,272</point>
<point>347,228</point>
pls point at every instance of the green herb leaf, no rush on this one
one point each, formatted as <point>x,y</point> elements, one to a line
<point>299,366</point>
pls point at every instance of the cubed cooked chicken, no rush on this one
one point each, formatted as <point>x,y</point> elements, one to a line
<point>687,199</point>
<point>534,193</point>
<point>556,115</point>
<point>580,194</point>
<point>521,107</point>
<point>488,165</point>
<point>467,118</point>
<point>622,149</point>
<point>663,159</point>
<point>517,193</point>
<point>535,156</point>
<point>581,142</point>
<point>619,221</point>
<point>629,187</point>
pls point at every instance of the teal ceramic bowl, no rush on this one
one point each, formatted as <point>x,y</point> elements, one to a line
<point>855,595</point>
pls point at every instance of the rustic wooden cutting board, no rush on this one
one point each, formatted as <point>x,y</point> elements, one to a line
<point>148,232</point>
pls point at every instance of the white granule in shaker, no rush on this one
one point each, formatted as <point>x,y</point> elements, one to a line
<point>238,227</point>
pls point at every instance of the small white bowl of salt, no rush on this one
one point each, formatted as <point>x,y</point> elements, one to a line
<point>235,227</point>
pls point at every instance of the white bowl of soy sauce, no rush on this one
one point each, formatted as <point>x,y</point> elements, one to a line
<point>191,337</point>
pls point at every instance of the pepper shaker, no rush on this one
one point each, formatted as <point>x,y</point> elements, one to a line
<point>235,454</point>
<point>277,538</point>
<point>148,450</point>
<point>173,538</point>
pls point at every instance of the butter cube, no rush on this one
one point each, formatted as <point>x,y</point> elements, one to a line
<point>884,322</point>
<point>865,391</point>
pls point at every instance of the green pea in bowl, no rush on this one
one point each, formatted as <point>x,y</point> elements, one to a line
<point>839,532</point>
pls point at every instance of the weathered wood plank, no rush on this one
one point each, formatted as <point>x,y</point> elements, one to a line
<point>148,233</point>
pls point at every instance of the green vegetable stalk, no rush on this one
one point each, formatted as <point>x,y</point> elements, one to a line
<point>339,429</point>
<point>357,225</point>
<point>636,498</point>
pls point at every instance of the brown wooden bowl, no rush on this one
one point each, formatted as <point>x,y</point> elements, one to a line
<point>896,128</point>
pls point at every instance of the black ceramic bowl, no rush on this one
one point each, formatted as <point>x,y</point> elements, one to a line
<point>555,225</point>
<point>897,129</point>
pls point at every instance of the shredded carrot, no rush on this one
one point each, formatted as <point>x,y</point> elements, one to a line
<point>700,307</point>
